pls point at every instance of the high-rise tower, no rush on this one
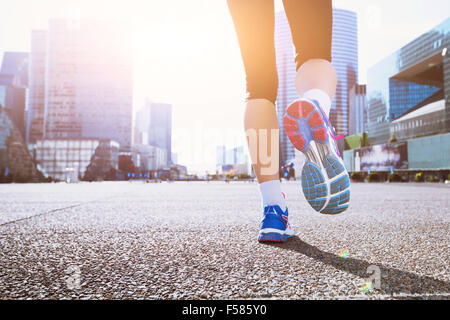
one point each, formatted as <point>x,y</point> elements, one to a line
<point>344,59</point>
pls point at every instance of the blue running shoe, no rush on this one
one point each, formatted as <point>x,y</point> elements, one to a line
<point>275,226</point>
<point>325,181</point>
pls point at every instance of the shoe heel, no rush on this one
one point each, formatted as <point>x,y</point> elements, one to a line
<point>303,123</point>
<point>272,237</point>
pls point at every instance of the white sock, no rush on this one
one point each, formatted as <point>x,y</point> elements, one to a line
<point>321,97</point>
<point>272,195</point>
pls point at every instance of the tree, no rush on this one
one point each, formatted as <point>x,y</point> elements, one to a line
<point>393,139</point>
<point>126,165</point>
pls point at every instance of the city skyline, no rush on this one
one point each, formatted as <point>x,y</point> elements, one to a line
<point>219,87</point>
<point>88,81</point>
<point>138,163</point>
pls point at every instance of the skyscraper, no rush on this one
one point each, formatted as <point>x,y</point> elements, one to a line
<point>160,132</point>
<point>13,86</point>
<point>16,63</point>
<point>154,126</point>
<point>357,122</point>
<point>36,87</point>
<point>87,80</point>
<point>16,163</point>
<point>345,61</point>
<point>142,125</point>
<point>221,152</point>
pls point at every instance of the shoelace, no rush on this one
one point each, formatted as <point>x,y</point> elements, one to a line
<point>270,210</point>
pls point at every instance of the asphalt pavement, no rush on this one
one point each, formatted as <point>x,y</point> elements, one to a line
<point>197,240</point>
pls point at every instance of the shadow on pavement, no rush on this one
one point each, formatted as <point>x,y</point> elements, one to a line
<point>393,281</point>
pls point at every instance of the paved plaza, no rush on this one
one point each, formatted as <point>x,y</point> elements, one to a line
<point>136,240</point>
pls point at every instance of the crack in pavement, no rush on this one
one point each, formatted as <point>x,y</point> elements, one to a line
<point>53,211</point>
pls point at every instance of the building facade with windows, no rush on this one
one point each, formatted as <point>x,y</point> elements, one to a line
<point>426,121</point>
<point>221,152</point>
<point>35,104</point>
<point>13,86</point>
<point>416,75</point>
<point>153,126</point>
<point>82,74</point>
<point>357,120</point>
<point>160,131</point>
<point>58,158</point>
<point>150,158</point>
<point>16,162</point>
<point>345,61</point>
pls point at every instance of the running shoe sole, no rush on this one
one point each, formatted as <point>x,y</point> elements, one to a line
<point>272,237</point>
<point>275,236</point>
<point>325,181</point>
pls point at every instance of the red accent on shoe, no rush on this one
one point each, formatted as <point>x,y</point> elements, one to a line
<point>316,120</point>
<point>270,240</point>
<point>298,141</point>
<point>320,134</point>
<point>290,124</point>
<point>294,110</point>
<point>306,107</point>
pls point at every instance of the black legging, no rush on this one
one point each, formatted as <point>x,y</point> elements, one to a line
<point>254,20</point>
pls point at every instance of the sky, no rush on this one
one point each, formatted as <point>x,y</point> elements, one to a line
<point>186,54</point>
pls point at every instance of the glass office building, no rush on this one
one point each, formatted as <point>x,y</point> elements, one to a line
<point>416,75</point>
<point>357,119</point>
<point>35,104</point>
<point>57,157</point>
<point>426,121</point>
<point>220,155</point>
<point>344,59</point>
<point>160,129</point>
<point>153,127</point>
<point>13,86</point>
<point>81,73</point>
<point>149,158</point>
<point>419,151</point>
<point>15,159</point>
